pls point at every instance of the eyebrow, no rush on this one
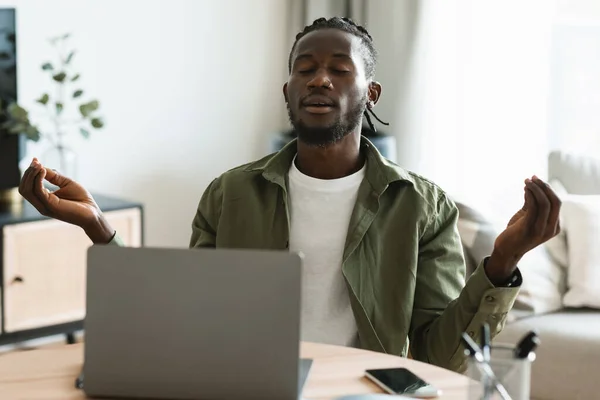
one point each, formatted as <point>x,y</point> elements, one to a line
<point>335,55</point>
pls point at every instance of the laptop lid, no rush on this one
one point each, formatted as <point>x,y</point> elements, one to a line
<point>197,323</point>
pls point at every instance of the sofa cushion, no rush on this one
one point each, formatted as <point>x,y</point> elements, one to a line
<point>582,229</point>
<point>567,358</point>
<point>578,173</point>
<point>576,179</point>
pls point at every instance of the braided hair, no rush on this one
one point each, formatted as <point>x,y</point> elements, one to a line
<point>369,53</point>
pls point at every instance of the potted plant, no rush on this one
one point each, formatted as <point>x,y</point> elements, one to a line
<point>63,111</point>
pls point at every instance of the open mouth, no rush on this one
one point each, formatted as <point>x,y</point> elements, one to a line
<point>318,105</point>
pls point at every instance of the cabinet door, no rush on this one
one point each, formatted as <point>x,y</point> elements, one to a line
<point>45,269</point>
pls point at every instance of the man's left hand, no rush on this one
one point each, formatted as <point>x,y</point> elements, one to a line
<point>535,223</point>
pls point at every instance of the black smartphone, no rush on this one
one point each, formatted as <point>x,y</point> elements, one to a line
<point>402,381</point>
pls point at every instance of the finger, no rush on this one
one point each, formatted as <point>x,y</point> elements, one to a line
<point>23,188</point>
<point>543,209</point>
<point>26,185</point>
<point>530,207</point>
<point>40,194</point>
<point>553,226</point>
<point>57,179</point>
<point>529,202</point>
<point>31,196</point>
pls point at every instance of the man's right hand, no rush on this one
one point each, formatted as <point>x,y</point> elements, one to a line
<point>71,203</point>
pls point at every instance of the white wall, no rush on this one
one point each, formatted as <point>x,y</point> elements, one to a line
<point>465,90</point>
<point>188,90</point>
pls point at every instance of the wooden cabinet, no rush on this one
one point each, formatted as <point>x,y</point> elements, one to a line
<point>42,285</point>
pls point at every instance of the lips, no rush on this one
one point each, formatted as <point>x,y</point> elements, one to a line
<point>318,104</point>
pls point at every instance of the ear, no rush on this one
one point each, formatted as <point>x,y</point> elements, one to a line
<point>373,93</point>
<point>285,94</point>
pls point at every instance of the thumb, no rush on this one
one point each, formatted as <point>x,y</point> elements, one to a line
<point>56,179</point>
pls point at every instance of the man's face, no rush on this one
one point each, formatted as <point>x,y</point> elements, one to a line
<point>327,90</point>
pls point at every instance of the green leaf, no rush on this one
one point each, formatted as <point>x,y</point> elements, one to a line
<point>59,107</point>
<point>60,77</point>
<point>73,79</point>
<point>23,128</point>
<point>32,133</point>
<point>69,57</point>
<point>47,67</point>
<point>87,108</point>
<point>77,93</point>
<point>93,105</point>
<point>17,112</point>
<point>44,99</point>
<point>84,132</point>
<point>97,123</point>
<point>18,128</point>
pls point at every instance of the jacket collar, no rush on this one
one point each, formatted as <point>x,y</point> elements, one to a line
<point>380,171</point>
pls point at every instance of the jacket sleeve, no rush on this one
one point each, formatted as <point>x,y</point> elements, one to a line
<point>445,306</point>
<point>206,221</point>
<point>116,241</point>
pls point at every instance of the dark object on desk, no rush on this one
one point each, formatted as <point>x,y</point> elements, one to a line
<point>44,256</point>
<point>527,345</point>
<point>401,381</point>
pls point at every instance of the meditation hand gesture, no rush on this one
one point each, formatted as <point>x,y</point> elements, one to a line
<point>71,203</point>
<point>535,223</point>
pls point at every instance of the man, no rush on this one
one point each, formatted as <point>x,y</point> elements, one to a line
<point>384,268</point>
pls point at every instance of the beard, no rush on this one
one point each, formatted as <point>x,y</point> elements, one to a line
<point>322,136</point>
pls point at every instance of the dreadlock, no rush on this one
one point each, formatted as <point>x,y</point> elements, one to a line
<point>369,53</point>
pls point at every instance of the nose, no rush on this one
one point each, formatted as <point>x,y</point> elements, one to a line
<point>320,80</point>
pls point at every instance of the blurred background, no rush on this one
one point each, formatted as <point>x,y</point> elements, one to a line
<point>476,92</point>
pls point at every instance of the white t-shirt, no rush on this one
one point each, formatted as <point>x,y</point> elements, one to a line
<point>320,212</point>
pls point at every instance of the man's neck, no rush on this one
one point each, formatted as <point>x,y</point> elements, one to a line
<point>334,161</point>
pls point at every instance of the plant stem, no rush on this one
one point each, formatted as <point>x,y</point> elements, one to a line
<point>60,97</point>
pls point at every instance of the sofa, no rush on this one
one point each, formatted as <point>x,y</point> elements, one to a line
<point>560,295</point>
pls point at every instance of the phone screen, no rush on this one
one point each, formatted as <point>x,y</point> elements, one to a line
<point>402,381</point>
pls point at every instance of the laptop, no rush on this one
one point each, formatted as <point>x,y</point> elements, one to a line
<point>193,324</point>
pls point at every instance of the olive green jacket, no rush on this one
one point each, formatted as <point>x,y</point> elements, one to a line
<point>403,261</point>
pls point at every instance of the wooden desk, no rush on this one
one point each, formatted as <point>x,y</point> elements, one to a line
<point>49,374</point>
